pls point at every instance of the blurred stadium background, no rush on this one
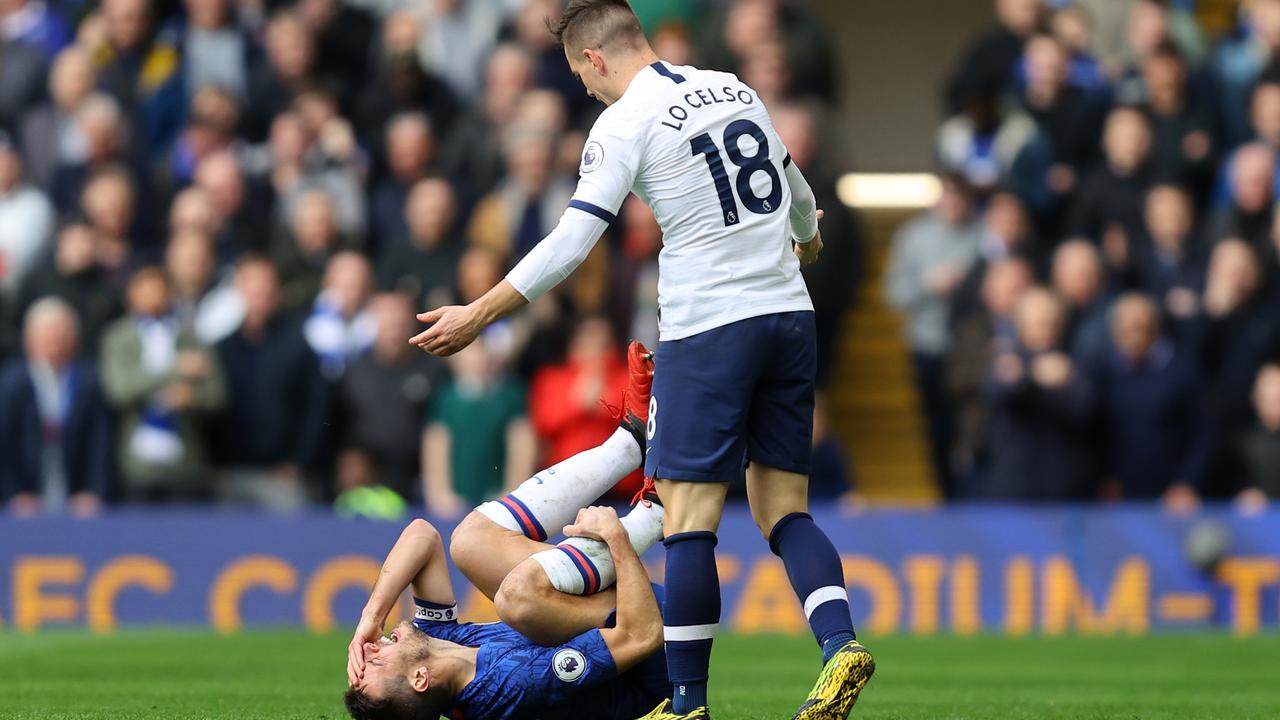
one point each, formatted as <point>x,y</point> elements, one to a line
<point>1049,307</point>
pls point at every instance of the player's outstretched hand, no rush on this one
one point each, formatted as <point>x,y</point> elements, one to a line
<point>597,523</point>
<point>452,328</point>
<point>369,630</point>
<point>808,252</point>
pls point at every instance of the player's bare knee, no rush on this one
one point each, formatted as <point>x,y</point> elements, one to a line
<point>467,543</point>
<point>521,594</point>
<point>420,528</point>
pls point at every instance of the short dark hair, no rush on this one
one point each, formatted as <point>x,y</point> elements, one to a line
<point>595,23</point>
<point>401,703</point>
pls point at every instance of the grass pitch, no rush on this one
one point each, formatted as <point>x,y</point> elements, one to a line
<point>180,675</point>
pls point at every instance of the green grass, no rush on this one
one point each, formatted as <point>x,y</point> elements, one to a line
<point>184,674</point>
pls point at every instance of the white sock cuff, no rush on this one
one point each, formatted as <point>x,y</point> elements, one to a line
<point>824,595</point>
<point>561,571</point>
<point>689,633</point>
<point>498,513</point>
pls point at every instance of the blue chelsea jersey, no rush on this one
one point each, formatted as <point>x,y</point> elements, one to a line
<point>517,679</point>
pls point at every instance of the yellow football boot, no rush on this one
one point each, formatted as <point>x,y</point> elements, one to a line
<point>664,712</point>
<point>837,689</point>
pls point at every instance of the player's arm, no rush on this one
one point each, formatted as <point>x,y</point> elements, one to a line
<point>609,167</point>
<point>417,559</point>
<point>804,216</point>
<point>638,632</point>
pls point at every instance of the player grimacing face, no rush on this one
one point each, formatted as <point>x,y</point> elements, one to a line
<point>391,656</point>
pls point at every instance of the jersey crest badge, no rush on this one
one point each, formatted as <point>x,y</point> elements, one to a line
<point>592,156</point>
<point>569,664</point>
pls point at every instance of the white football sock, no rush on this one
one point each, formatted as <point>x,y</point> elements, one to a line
<point>582,566</point>
<point>549,500</point>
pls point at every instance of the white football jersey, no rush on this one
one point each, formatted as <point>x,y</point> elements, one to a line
<point>698,147</point>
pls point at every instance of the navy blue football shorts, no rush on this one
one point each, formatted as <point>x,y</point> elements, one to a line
<point>734,394</point>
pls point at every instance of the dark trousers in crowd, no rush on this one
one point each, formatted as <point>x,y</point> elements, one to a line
<point>933,403</point>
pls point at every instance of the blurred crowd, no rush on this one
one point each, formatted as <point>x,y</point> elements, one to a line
<point>1093,305</point>
<point>218,219</point>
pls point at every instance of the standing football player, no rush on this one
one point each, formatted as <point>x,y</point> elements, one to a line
<point>736,358</point>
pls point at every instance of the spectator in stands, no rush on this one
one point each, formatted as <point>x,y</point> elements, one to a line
<point>210,126</point>
<point>930,256</point>
<point>109,203</point>
<point>55,428</point>
<point>401,84</point>
<point>410,150</point>
<point>384,394</point>
<point>527,203</point>
<point>975,339</point>
<point>36,23</point>
<point>341,326</point>
<point>100,127</point>
<point>1157,442</point>
<point>1264,111</point>
<point>1235,332</point>
<point>163,384</point>
<point>303,253</point>
<point>994,147</point>
<point>240,212</point>
<point>456,39</point>
<point>1078,278</point>
<point>637,272</point>
<point>1070,118</point>
<point>205,302</point>
<point>424,266</point>
<point>474,151</point>
<point>1171,266</point>
<point>192,211</point>
<point>290,68</point>
<point>1259,447</point>
<point>358,489</point>
<point>833,284</point>
<point>1182,122</point>
<point>990,59</point>
<point>1150,24</point>
<point>747,26</point>
<point>1240,61</point>
<point>26,222</point>
<point>1006,232</point>
<point>764,69</point>
<point>478,441</point>
<point>1041,406</point>
<point>22,70</point>
<point>140,68</point>
<point>570,403</point>
<point>1108,208</point>
<point>269,441</point>
<point>298,162</point>
<point>344,35</point>
<point>830,474</point>
<point>75,276</point>
<point>1250,210</point>
<point>216,51</point>
<point>1073,25</point>
<point>49,133</point>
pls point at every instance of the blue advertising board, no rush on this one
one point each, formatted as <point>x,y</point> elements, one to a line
<point>955,570</point>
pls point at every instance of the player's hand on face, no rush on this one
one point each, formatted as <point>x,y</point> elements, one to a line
<point>597,523</point>
<point>808,252</point>
<point>452,328</point>
<point>368,631</point>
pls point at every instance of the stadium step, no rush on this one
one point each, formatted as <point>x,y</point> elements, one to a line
<point>873,403</point>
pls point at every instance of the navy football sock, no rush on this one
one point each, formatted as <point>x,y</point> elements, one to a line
<point>690,615</point>
<point>813,565</point>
